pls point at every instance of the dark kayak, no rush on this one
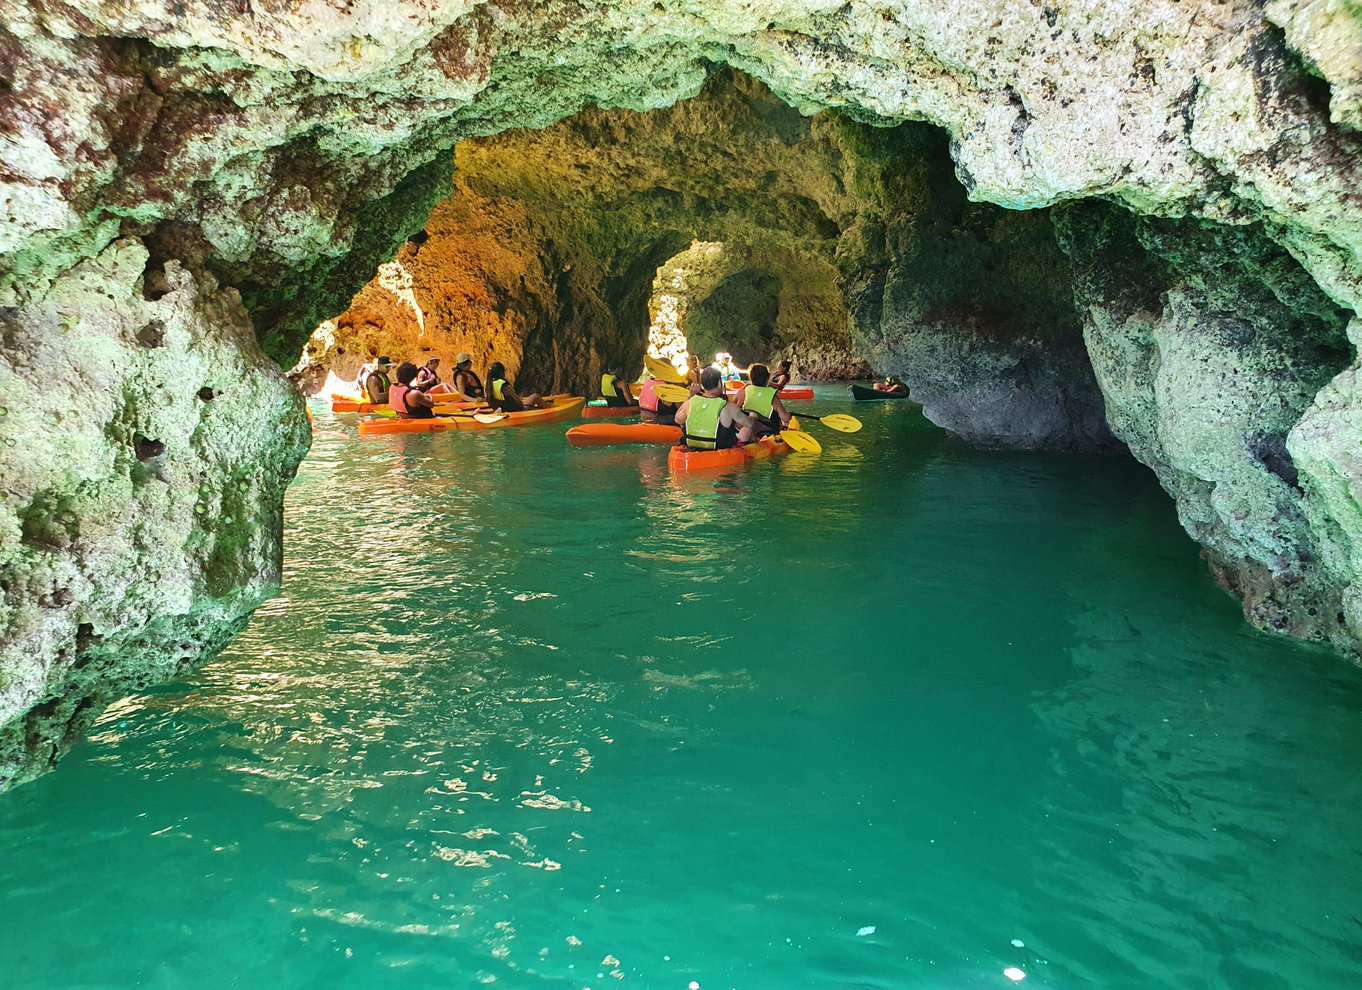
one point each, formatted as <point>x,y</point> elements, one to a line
<point>865,393</point>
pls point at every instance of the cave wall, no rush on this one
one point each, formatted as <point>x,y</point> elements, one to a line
<point>1210,344</point>
<point>277,155</point>
<point>142,512</point>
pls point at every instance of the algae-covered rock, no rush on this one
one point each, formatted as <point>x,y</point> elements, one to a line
<point>147,444</point>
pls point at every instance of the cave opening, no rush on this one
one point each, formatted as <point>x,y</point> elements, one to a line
<point>733,221</point>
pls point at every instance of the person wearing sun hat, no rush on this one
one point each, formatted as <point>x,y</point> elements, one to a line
<point>466,380</point>
<point>379,381</point>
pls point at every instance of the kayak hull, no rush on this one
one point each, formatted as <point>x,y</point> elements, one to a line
<point>609,434</point>
<point>682,458</point>
<point>560,410</point>
<point>608,412</point>
<point>795,393</point>
<point>864,393</point>
<point>352,405</point>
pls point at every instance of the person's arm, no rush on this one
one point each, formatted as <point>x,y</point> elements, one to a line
<point>736,416</point>
<point>738,396</point>
<point>415,398</point>
<point>682,413</point>
<point>779,409</point>
<point>371,388</point>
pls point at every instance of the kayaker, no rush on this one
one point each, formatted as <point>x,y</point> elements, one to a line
<point>782,376</point>
<point>651,409</point>
<point>428,375</point>
<point>407,401</point>
<point>693,374</point>
<point>891,385</point>
<point>723,361</point>
<point>616,392</point>
<point>504,397</point>
<point>762,403</point>
<point>466,380</point>
<point>712,422</point>
<point>377,384</point>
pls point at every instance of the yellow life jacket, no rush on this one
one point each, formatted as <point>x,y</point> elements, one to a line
<point>496,389</point>
<point>702,421</point>
<point>608,387</point>
<point>758,399</point>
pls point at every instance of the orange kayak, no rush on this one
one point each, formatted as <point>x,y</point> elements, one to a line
<point>560,410</point>
<point>682,458</point>
<point>606,434</point>
<point>597,412</point>
<point>354,405</point>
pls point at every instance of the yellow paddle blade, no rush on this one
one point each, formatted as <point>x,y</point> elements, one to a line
<point>671,393</point>
<point>841,422</point>
<point>663,370</point>
<point>801,442</point>
<point>794,423</point>
<point>489,417</point>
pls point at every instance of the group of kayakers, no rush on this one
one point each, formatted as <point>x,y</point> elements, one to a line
<point>413,391</point>
<point>713,418</point>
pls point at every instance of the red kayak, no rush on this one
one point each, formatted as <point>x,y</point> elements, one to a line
<point>682,458</point>
<point>789,392</point>
<point>612,412</point>
<point>608,434</point>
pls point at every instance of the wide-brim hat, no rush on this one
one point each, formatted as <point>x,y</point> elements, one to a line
<point>463,357</point>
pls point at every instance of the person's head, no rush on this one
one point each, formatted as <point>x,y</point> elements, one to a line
<point>406,373</point>
<point>693,360</point>
<point>384,363</point>
<point>463,361</point>
<point>759,375</point>
<point>784,367</point>
<point>711,380</point>
<point>498,370</point>
<point>433,363</point>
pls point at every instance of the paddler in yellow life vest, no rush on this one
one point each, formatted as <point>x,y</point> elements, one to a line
<point>503,398</point>
<point>614,391</point>
<point>762,403</point>
<point>377,384</point>
<point>712,422</point>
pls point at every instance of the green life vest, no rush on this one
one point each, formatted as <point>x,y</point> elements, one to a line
<point>608,387</point>
<point>496,389</point>
<point>702,421</point>
<point>758,399</point>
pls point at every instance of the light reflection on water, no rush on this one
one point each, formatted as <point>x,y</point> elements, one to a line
<point>525,715</point>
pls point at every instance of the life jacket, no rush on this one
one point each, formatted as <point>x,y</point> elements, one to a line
<point>496,390</point>
<point>472,384</point>
<point>608,389</point>
<point>702,421</point>
<point>758,399</point>
<point>384,382</point>
<point>397,398</point>
<point>426,377</point>
<point>647,396</point>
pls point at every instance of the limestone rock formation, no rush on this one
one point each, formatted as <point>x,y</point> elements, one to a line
<point>147,444</point>
<point>282,152</point>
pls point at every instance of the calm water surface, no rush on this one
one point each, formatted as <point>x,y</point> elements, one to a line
<point>528,716</point>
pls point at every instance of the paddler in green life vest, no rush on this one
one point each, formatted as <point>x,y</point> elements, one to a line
<point>377,384</point>
<point>762,403</point>
<point>712,422</point>
<point>614,391</point>
<point>503,398</point>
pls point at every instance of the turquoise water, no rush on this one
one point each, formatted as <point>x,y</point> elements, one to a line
<point>584,726</point>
